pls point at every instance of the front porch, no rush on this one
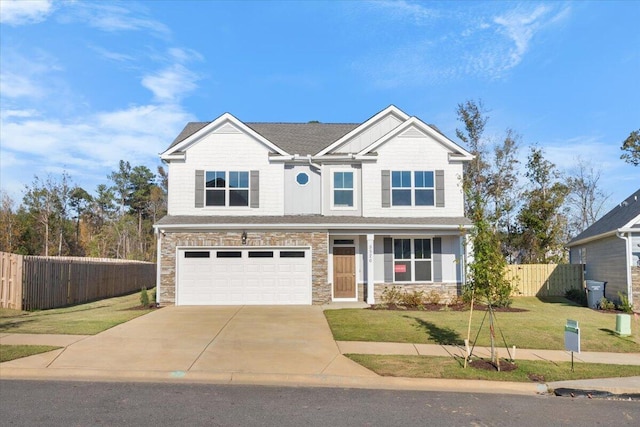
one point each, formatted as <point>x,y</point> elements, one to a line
<point>362,264</point>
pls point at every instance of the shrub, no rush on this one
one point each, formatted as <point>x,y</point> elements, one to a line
<point>391,295</point>
<point>624,305</point>
<point>605,304</point>
<point>577,295</point>
<point>412,299</point>
<point>433,297</point>
<point>144,297</point>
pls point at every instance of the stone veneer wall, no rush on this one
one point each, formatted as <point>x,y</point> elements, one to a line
<point>635,288</point>
<point>447,291</point>
<point>321,290</point>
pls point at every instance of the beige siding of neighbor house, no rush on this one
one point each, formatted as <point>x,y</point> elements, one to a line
<point>606,261</point>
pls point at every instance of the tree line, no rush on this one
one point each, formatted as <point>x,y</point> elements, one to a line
<point>57,217</point>
<point>533,209</point>
<point>522,213</point>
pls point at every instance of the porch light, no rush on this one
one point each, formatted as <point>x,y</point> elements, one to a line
<point>244,237</point>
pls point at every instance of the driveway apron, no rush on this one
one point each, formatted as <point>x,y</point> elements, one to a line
<point>247,339</point>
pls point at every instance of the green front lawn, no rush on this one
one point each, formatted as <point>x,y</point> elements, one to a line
<point>541,327</point>
<point>83,319</point>
<point>452,368</point>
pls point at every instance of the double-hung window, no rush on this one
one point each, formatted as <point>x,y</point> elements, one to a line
<point>343,189</point>
<point>412,260</point>
<point>227,188</point>
<point>423,188</point>
<point>412,189</point>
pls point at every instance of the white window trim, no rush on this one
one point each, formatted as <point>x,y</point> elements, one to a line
<point>412,189</point>
<point>412,260</point>
<point>355,185</point>
<point>227,190</point>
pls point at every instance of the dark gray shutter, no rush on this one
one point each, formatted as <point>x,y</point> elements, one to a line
<point>199,189</point>
<point>388,260</point>
<point>254,189</point>
<point>386,189</point>
<point>440,188</point>
<point>437,259</point>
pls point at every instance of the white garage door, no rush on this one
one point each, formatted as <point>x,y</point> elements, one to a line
<point>256,276</point>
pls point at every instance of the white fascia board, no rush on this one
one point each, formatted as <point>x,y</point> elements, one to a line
<point>284,226</point>
<point>226,117</point>
<point>174,156</point>
<point>414,121</point>
<point>631,223</point>
<point>390,110</point>
<point>592,238</point>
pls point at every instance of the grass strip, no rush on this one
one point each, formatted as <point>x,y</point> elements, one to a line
<point>11,352</point>
<point>452,368</point>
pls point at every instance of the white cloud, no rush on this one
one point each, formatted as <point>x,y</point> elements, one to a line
<point>112,17</point>
<point>87,147</point>
<point>402,9</point>
<point>462,43</point>
<point>21,12</point>
<point>13,85</point>
<point>114,56</point>
<point>520,28</point>
<point>170,84</point>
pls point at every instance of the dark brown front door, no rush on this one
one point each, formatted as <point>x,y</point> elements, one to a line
<point>344,272</point>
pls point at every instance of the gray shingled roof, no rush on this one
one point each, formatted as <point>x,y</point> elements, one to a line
<point>294,138</point>
<point>312,220</point>
<point>614,219</point>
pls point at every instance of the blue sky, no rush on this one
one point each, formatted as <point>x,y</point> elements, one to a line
<point>85,84</point>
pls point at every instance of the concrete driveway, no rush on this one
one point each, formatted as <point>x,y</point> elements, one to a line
<point>246,339</point>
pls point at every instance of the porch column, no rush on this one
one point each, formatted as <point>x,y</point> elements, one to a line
<point>370,297</point>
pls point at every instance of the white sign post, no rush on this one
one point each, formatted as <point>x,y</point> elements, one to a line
<point>572,338</point>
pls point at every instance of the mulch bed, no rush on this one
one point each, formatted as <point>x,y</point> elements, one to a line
<point>444,307</point>
<point>142,307</point>
<point>489,366</point>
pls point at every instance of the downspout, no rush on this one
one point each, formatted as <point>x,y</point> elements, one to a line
<point>627,251</point>
<point>315,165</point>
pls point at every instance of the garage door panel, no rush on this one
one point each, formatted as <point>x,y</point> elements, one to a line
<point>247,276</point>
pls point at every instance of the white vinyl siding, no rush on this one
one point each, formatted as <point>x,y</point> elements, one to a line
<point>412,154</point>
<point>226,152</point>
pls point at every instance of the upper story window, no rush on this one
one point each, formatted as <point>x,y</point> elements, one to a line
<point>343,189</point>
<point>412,189</point>
<point>227,188</point>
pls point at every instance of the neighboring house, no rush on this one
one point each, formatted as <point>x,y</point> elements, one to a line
<point>309,213</point>
<point>610,250</point>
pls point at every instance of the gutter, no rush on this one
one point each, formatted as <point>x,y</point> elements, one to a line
<point>627,251</point>
<point>239,226</point>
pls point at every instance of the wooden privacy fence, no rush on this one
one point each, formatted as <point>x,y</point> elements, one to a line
<point>545,280</point>
<point>37,282</point>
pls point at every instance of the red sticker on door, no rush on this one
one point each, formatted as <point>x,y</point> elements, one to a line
<point>400,268</point>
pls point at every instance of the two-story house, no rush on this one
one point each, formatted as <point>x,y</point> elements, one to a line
<point>309,213</point>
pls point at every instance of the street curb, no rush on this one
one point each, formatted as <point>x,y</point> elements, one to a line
<point>194,377</point>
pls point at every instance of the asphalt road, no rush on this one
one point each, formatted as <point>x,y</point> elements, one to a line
<point>36,403</point>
